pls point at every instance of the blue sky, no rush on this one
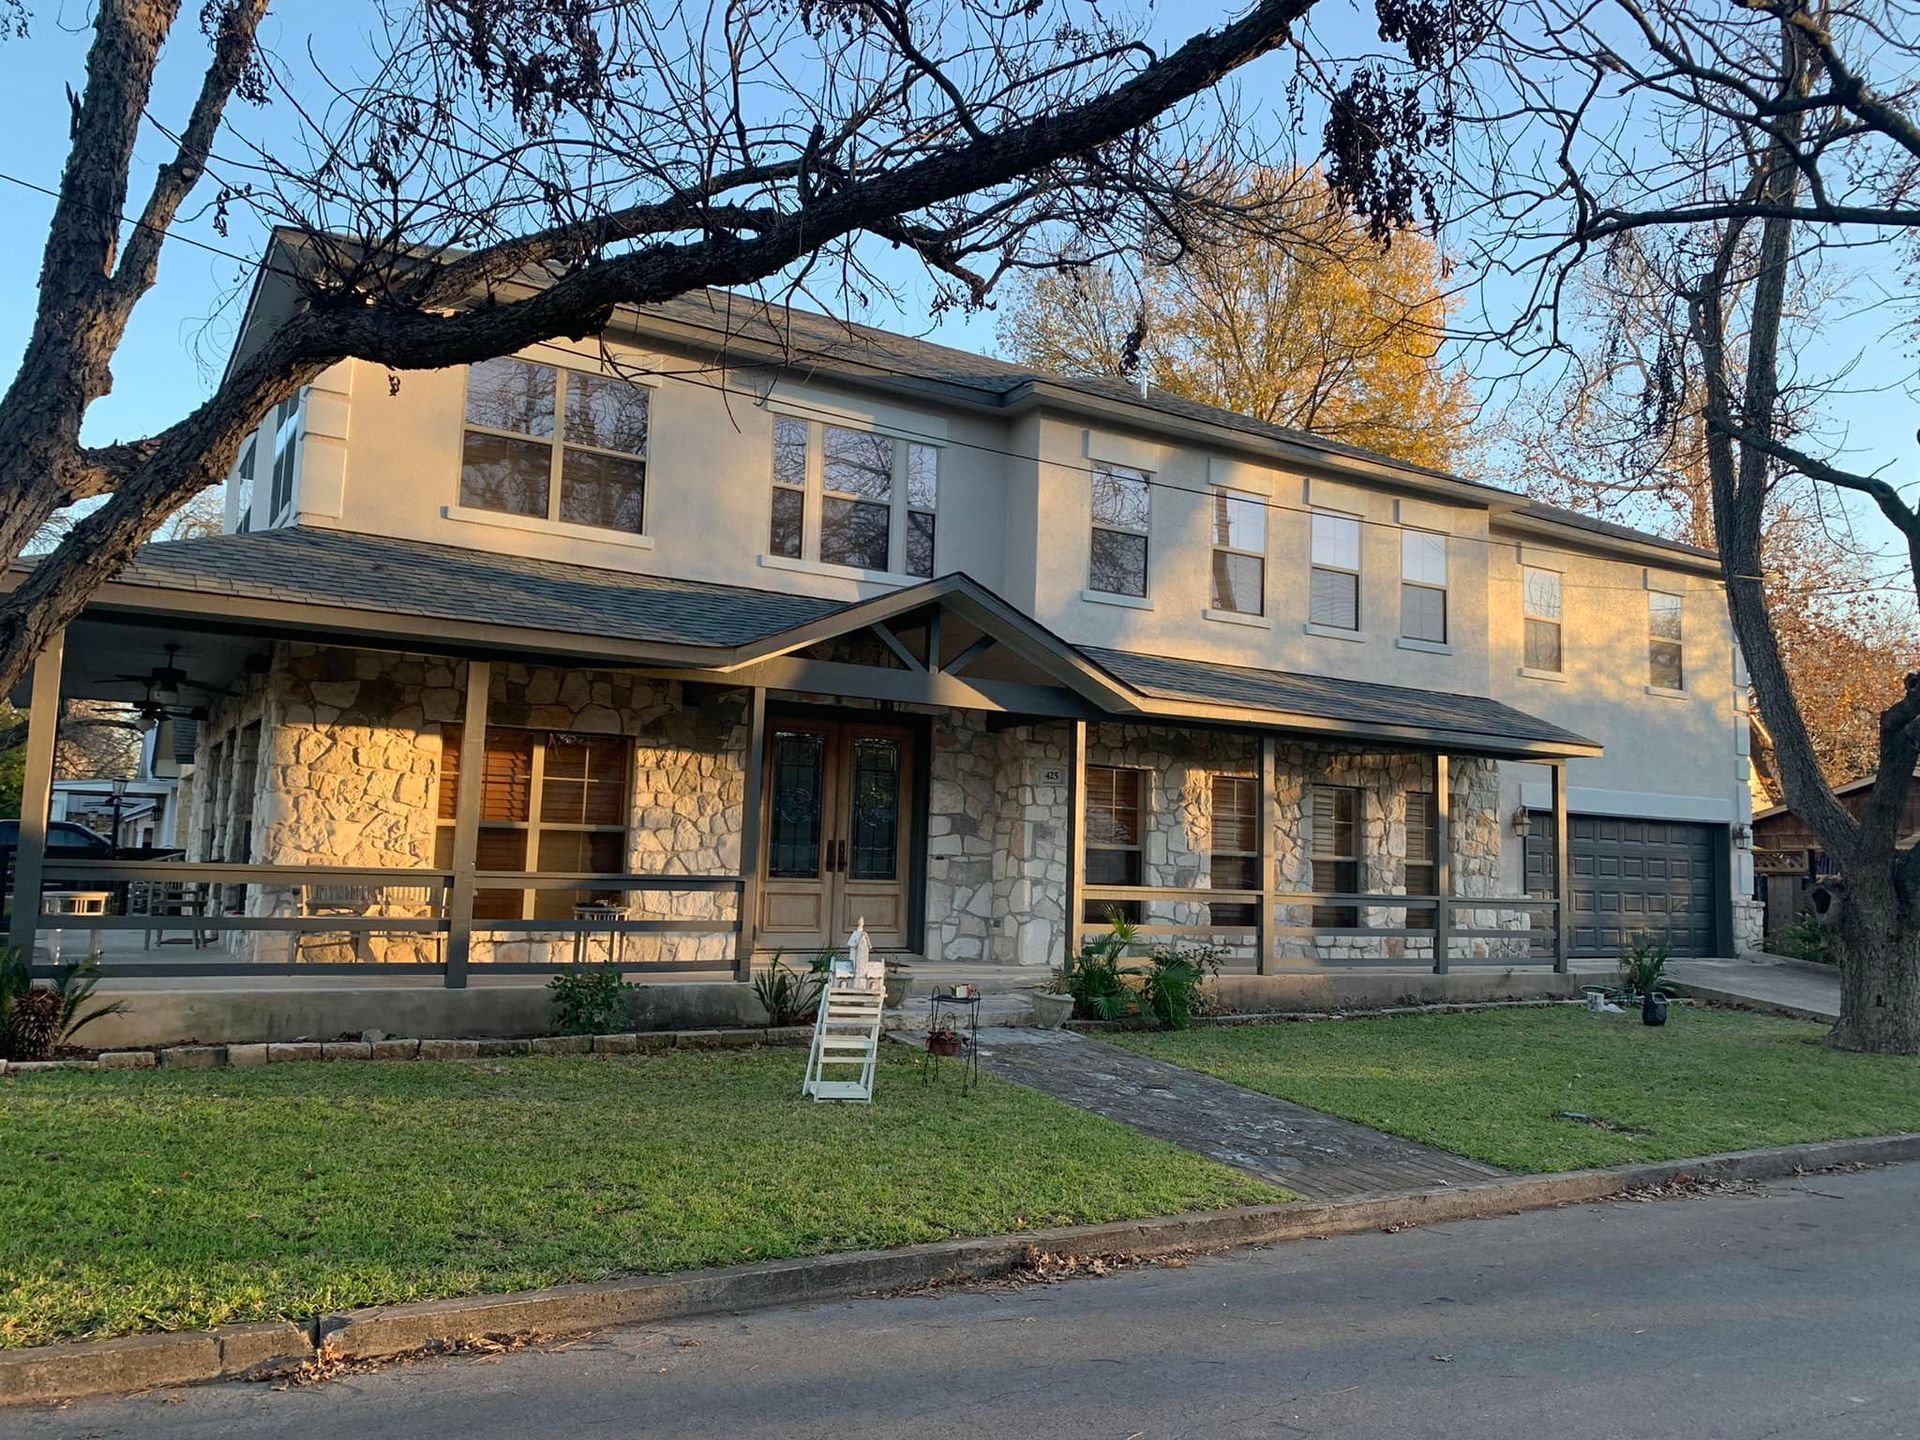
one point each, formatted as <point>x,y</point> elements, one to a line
<point>180,332</point>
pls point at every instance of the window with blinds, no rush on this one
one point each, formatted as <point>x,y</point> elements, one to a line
<point>550,800</point>
<point>1236,846</point>
<point>1336,852</point>
<point>1113,837</point>
<point>1239,553</point>
<point>1333,596</point>
<point>1423,818</point>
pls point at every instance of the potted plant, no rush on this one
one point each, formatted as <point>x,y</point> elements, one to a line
<point>943,1040</point>
<point>1641,970</point>
<point>898,983</point>
<point>1053,1002</point>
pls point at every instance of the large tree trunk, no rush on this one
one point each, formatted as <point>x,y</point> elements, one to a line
<point>1877,944</point>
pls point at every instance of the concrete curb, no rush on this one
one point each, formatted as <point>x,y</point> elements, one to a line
<point>65,1372</point>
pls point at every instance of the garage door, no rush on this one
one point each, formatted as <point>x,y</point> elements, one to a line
<point>1634,877</point>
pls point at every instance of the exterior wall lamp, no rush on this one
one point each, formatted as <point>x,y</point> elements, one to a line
<point>1743,837</point>
<point>1522,821</point>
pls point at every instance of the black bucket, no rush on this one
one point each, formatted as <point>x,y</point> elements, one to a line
<point>1653,1010</point>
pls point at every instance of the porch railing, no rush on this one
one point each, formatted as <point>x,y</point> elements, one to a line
<point>224,898</point>
<point>1450,942</point>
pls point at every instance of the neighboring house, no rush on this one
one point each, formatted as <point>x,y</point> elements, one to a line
<point>837,625</point>
<point>1787,859</point>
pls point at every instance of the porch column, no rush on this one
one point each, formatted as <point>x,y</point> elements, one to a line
<point>1442,862</point>
<point>1269,862</point>
<point>1076,833</point>
<point>466,823</point>
<point>750,841</point>
<point>1562,882</point>
<point>36,793</point>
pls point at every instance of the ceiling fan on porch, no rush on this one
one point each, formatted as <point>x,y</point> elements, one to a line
<point>163,685</point>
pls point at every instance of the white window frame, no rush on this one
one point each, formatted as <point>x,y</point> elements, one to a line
<point>557,445</point>
<point>1145,531</point>
<point>813,493</point>
<point>1315,563</point>
<point>1679,643</point>
<point>1225,498</point>
<point>1408,536</point>
<point>1528,618</point>
<point>289,431</point>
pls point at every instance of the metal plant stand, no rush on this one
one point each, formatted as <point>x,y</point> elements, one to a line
<point>964,1012</point>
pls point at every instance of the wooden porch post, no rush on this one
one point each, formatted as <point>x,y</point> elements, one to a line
<point>750,841</point>
<point>1269,862</point>
<point>1562,882</point>
<point>1076,833</point>
<point>1442,862</point>
<point>466,823</point>
<point>36,794</point>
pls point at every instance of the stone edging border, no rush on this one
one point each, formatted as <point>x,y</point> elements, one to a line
<point>242,1057</point>
<point>71,1371</point>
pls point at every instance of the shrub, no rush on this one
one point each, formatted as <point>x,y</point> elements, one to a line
<point>35,1019</point>
<point>789,996</point>
<point>1803,938</point>
<point>589,1000</point>
<point>1096,979</point>
<point>1644,966</point>
<point>1172,988</point>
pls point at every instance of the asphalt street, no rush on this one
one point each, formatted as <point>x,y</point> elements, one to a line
<point>1789,1310</point>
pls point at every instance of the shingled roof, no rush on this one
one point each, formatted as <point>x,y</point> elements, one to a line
<point>391,576</point>
<point>1325,697</point>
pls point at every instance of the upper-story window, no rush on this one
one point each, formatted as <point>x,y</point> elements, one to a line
<point>1334,596</point>
<point>555,444</point>
<point>242,484</point>
<point>1122,513</point>
<point>1665,667</point>
<point>1239,553</point>
<point>286,457</point>
<point>1540,598</point>
<point>1423,586</point>
<point>878,497</point>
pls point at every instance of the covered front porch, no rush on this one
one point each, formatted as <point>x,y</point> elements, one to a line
<point>691,779</point>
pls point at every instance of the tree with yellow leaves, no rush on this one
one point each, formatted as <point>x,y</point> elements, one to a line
<point>1282,308</point>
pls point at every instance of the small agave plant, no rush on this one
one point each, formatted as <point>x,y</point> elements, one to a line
<point>37,1017</point>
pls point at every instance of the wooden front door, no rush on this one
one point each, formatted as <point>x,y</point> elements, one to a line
<point>838,821</point>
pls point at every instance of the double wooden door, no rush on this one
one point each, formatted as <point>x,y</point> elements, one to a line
<point>839,832</point>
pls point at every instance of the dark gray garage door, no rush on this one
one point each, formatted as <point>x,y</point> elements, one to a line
<point>1631,877</point>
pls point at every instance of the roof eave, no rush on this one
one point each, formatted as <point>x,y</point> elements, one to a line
<point>1574,537</point>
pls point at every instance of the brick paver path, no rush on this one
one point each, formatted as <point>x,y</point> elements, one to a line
<point>1319,1156</point>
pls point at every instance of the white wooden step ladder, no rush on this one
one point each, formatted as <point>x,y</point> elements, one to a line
<point>846,1032</point>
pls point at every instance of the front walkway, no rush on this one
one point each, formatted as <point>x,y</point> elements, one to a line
<point>1317,1156</point>
<point>1772,981</point>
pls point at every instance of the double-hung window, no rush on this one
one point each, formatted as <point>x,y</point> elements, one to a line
<point>878,497</point>
<point>1236,846</point>
<point>1239,553</point>
<point>1423,823</point>
<point>1336,852</point>
<point>1423,586</point>
<point>549,800</point>
<point>1540,598</point>
<point>1122,513</point>
<point>1113,837</point>
<point>1333,598</point>
<point>287,418</point>
<point>555,444</point>
<point>1664,641</point>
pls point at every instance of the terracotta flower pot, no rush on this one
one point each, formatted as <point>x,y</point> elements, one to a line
<point>944,1042</point>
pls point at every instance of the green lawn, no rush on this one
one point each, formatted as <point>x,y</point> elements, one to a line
<point>175,1200</point>
<point>1492,1083</point>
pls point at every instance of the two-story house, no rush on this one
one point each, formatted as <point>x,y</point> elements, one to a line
<point>747,624</point>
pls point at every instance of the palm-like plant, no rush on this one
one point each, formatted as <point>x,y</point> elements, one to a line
<point>34,1018</point>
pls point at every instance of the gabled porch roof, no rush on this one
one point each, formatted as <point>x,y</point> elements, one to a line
<point>947,641</point>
